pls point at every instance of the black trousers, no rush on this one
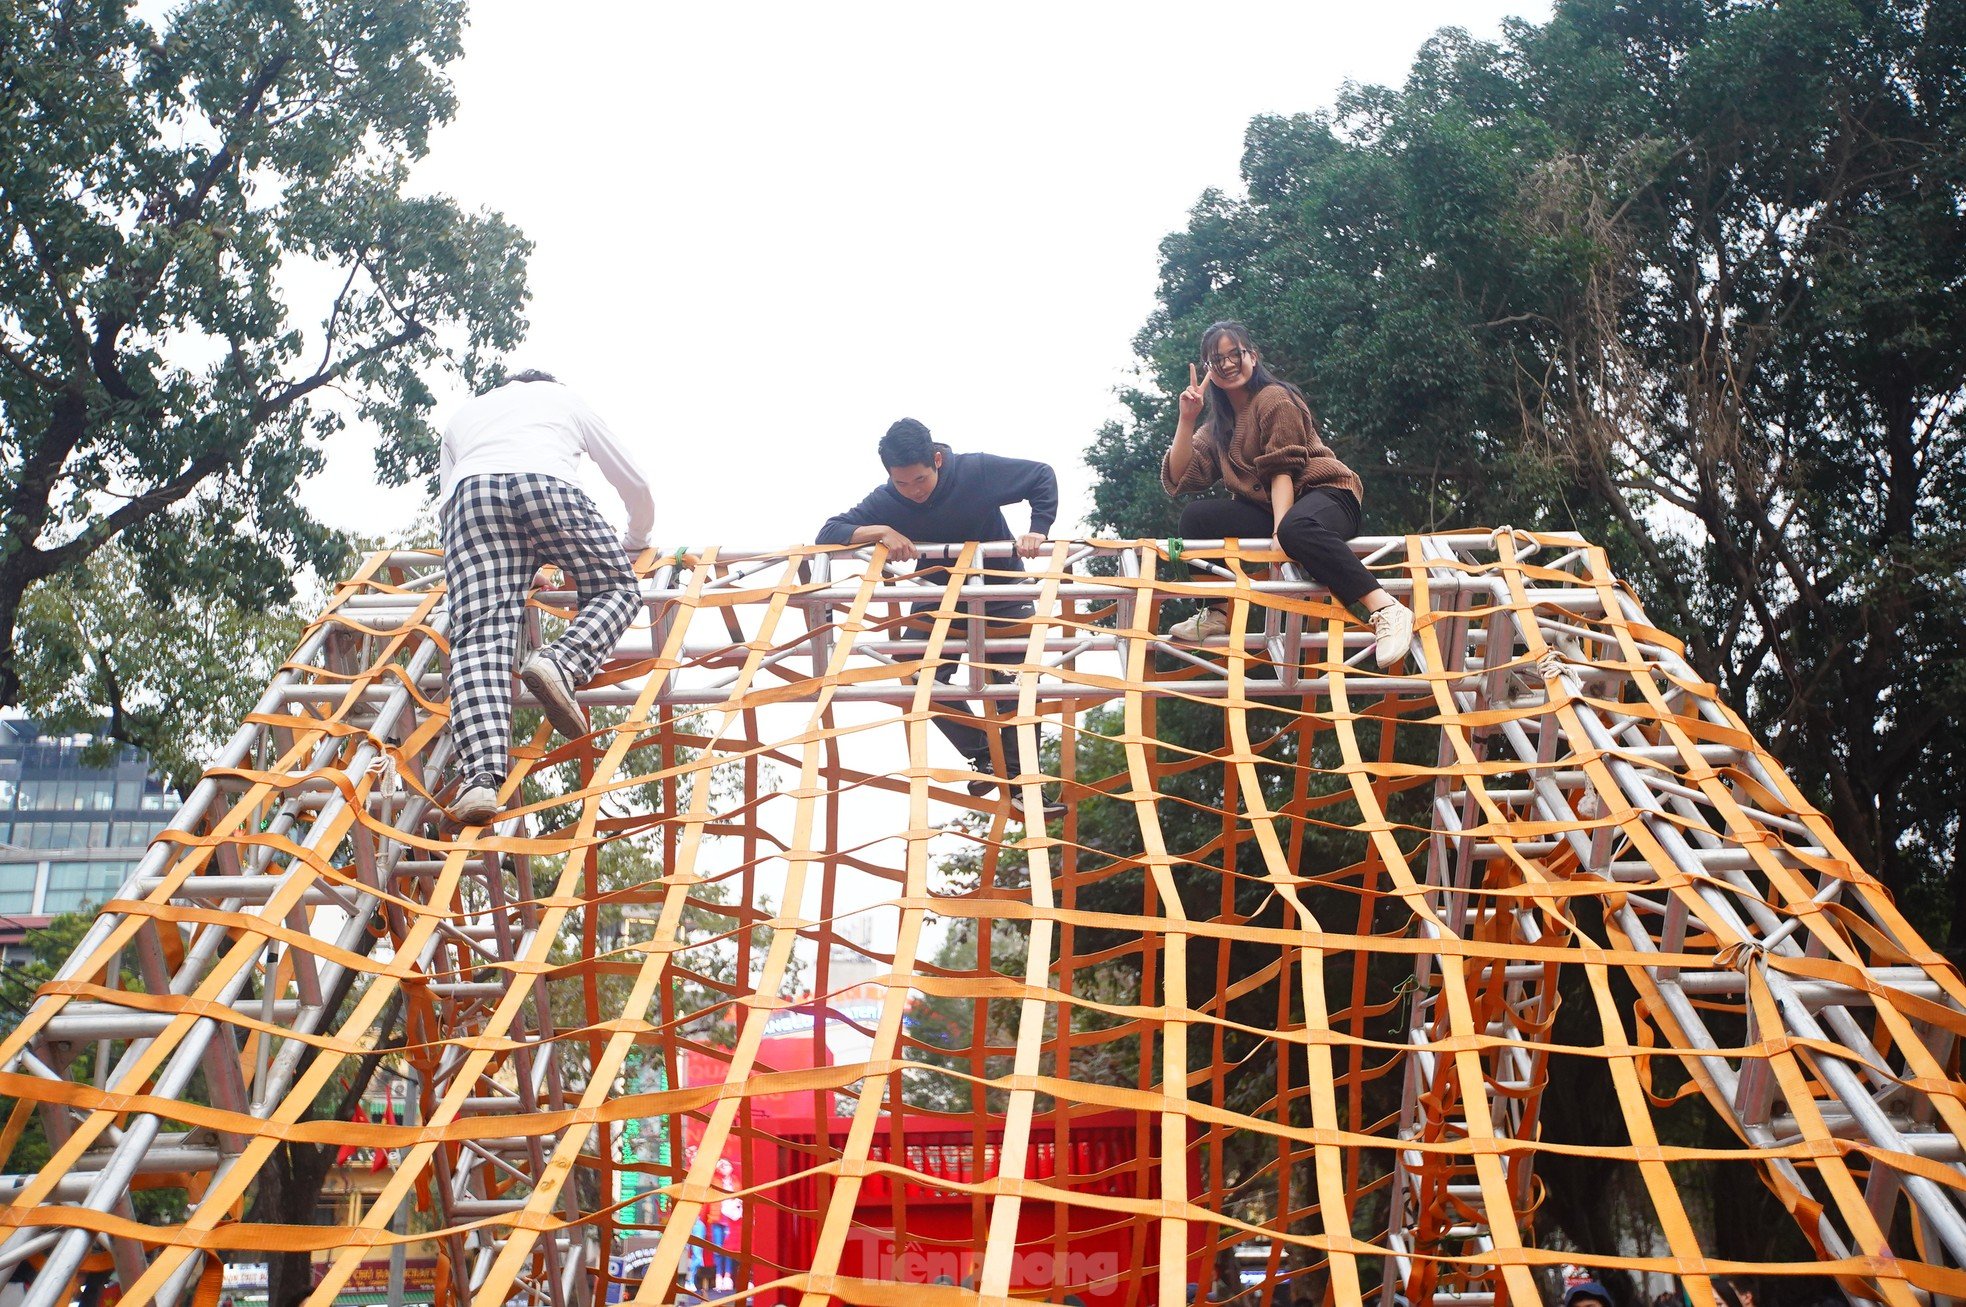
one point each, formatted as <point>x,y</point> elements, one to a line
<point>1313,533</point>
<point>970,740</point>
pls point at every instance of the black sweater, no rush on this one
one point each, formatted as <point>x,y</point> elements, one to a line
<point>967,504</point>
<point>970,493</point>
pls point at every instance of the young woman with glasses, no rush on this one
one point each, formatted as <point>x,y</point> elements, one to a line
<point>1254,433</point>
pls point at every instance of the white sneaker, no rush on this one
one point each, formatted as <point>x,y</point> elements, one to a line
<point>475,806</point>
<point>1204,625</point>
<point>1393,627</point>
<point>554,691</point>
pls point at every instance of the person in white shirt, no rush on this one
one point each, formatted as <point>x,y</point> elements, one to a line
<point>510,501</point>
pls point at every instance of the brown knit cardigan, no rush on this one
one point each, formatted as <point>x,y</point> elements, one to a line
<point>1274,433</point>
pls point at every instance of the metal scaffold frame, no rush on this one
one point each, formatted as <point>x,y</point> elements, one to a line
<point>1547,795</point>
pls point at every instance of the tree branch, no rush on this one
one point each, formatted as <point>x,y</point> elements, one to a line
<point>18,361</point>
<point>102,351</point>
<point>78,336</point>
<point>334,315</point>
<point>45,562</point>
<point>1664,576</point>
<point>33,564</point>
<point>286,396</point>
<point>185,209</point>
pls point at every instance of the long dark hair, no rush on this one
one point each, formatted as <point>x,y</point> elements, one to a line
<point>1221,413</point>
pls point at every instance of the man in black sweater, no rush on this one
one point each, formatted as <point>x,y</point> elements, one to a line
<point>934,496</point>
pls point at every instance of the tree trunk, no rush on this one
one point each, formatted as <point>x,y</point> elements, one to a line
<point>301,1171</point>
<point>1956,876</point>
<point>12,589</point>
<point>289,1188</point>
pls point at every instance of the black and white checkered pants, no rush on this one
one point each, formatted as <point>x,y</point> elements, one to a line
<point>497,529</point>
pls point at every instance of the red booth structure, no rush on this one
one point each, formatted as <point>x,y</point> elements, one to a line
<point>918,1232</point>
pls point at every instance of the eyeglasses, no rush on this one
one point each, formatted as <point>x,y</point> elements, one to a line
<point>1223,362</point>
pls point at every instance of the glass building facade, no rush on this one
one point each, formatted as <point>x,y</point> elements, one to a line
<point>70,830</point>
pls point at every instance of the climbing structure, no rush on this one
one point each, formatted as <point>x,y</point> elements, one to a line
<point>1282,991</point>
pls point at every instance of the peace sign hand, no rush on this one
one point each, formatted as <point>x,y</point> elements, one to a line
<point>1194,397</point>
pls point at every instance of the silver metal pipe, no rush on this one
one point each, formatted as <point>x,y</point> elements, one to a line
<point>177,1072</point>
<point>1933,1200</point>
<point>194,806</point>
<point>80,1022</point>
<point>624,695</point>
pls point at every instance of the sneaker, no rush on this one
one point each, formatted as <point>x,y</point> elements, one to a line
<point>554,691</point>
<point>983,786</point>
<point>476,806</point>
<point>1393,627</point>
<point>1045,811</point>
<point>1204,625</point>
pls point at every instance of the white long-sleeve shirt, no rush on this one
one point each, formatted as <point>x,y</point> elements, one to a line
<point>541,426</point>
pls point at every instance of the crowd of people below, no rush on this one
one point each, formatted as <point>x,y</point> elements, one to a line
<point>511,501</point>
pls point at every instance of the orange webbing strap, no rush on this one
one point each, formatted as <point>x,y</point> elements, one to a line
<point>211,1283</point>
<point>750,988</point>
<point>17,1119</point>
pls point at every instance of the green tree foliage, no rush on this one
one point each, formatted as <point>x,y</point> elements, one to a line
<point>976,1037</point>
<point>1685,276</point>
<point>290,1187</point>
<point>703,978</point>
<point>49,947</point>
<point>716,956</point>
<point>91,648</point>
<point>206,236</point>
<point>720,942</point>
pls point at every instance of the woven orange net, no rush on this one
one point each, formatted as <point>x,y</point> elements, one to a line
<point>745,996</point>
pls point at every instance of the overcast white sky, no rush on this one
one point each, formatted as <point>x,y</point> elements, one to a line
<point>765,231</point>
